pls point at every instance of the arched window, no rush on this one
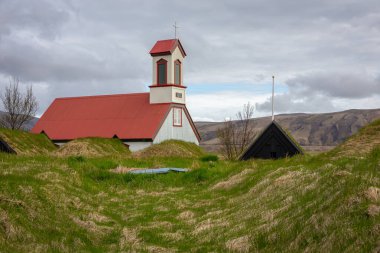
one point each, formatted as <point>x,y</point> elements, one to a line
<point>162,71</point>
<point>177,72</point>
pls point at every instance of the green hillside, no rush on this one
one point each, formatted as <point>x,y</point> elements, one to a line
<point>25,143</point>
<point>361,143</point>
<point>305,203</point>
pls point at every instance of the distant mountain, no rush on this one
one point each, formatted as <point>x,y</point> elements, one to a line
<point>315,132</point>
<point>28,126</point>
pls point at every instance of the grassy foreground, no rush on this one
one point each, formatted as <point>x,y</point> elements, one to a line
<point>324,203</point>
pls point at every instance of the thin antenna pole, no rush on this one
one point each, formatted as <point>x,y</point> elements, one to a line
<point>272,98</point>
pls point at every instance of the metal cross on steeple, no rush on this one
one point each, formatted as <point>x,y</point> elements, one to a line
<point>175,29</point>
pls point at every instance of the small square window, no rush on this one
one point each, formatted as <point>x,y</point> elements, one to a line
<point>177,116</point>
<point>178,95</point>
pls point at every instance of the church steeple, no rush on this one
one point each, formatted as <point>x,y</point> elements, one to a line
<point>167,79</point>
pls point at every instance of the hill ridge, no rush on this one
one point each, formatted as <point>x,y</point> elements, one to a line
<point>314,131</point>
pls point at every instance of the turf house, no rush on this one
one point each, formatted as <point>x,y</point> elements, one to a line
<point>272,143</point>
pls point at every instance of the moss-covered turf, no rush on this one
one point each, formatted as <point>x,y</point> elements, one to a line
<point>320,203</point>
<point>361,143</point>
<point>93,147</point>
<point>25,143</point>
<point>171,148</point>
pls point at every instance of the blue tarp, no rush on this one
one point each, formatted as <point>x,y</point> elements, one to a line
<point>158,171</point>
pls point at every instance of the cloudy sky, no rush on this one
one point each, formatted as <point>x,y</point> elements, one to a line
<point>325,54</point>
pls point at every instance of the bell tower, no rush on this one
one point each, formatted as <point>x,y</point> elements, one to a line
<point>167,80</point>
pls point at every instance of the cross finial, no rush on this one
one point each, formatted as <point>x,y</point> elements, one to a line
<point>175,29</point>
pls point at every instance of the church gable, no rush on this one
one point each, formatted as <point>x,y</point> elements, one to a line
<point>178,125</point>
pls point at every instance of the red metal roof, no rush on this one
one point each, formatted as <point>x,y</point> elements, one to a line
<point>163,47</point>
<point>128,116</point>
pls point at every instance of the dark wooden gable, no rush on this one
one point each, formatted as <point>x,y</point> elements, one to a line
<point>272,143</point>
<point>4,147</point>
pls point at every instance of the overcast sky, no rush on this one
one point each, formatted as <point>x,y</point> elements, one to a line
<point>325,54</point>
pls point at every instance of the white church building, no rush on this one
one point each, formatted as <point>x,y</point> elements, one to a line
<point>137,119</point>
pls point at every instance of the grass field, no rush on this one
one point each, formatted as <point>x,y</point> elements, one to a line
<point>324,203</point>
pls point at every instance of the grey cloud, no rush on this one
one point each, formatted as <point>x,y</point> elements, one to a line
<point>315,92</point>
<point>46,92</point>
<point>338,84</point>
<point>38,15</point>
<point>57,63</point>
<point>87,47</point>
<point>286,103</point>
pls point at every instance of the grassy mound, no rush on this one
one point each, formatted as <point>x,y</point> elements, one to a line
<point>299,204</point>
<point>362,142</point>
<point>171,148</point>
<point>25,143</point>
<point>93,147</point>
<point>322,203</point>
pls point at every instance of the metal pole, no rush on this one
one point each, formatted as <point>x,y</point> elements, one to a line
<point>272,98</point>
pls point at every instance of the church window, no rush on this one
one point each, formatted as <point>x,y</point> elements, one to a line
<point>161,71</point>
<point>177,72</point>
<point>177,116</point>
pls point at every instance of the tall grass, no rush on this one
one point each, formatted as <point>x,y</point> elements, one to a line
<point>324,203</point>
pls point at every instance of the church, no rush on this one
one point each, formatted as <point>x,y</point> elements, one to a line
<point>137,119</point>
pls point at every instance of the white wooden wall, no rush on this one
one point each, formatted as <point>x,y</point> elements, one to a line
<point>168,131</point>
<point>136,146</point>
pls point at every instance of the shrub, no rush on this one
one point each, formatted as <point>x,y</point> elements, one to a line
<point>197,176</point>
<point>209,158</point>
<point>375,153</point>
<point>75,161</point>
<point>99,175</point>
<point>105,164</point>
<point>128,177</point>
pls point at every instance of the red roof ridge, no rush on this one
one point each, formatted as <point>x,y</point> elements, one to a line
<point>163,47</point>
<point>167,40</point>
<point>99,96</point>
<point>129,116</point>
